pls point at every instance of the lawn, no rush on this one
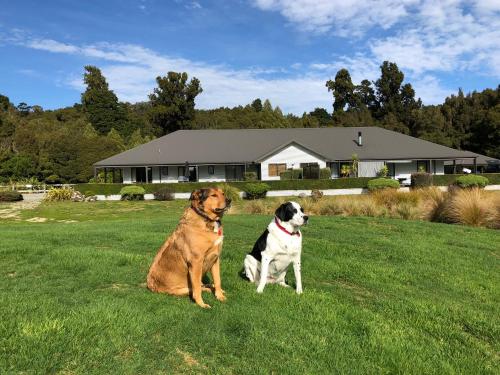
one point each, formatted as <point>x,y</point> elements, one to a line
<point>380,296</point>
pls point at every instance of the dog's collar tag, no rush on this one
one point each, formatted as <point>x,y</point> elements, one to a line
<point>218,228</point>
<point>284,229</point>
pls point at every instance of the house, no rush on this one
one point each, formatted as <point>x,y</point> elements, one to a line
<point>225,155</point>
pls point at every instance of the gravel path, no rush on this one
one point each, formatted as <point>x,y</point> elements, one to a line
<point>13,210</point>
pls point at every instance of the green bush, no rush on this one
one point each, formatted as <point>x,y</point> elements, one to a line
<point>10,196</point>
<point>165,193</point>
<point>469,181</point>
<point>383,172</point>
<point>250,176</point>
<point>256,190</point>
<point>59,194</point>
<point>230,191</point>
<point>292,174</point>
<point>132,193</point>
<point>421,180</point>
<point>89,193</point>
<point>450,179</point>
<point>325,173</point>
<point>53,179</point>
<point>382,183</point>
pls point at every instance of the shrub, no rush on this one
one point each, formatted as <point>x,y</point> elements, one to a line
<point>230,192</point>
<point>53,179</point>
<point>250,176</point>
<point>382,183</point>
<point>132,193</point>
<point>256,190</point>
<point>316,194</point>
<point>292,174</point>
<point>10,196</point>
<point>383,172</point>
<point>59,194</point>
<point>325,173</point>
<point>165,193</point>
<point>89,193</point>
<point>421,180</point>
<point>470,181</point>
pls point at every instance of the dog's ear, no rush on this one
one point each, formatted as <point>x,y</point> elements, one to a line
<point>280,212</point>
<point>284,212</point>
<point>199,195</point>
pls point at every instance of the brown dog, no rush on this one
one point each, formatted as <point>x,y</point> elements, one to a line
<point>193,249</point>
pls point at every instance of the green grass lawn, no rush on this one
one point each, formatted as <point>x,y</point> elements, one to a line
<point>380,296</point>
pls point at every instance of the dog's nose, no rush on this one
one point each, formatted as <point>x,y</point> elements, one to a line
<point>306,219</point>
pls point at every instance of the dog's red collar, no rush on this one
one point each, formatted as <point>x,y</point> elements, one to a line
<point>284,229</point>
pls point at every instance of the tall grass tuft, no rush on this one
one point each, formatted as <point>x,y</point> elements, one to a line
<point>471,207</point>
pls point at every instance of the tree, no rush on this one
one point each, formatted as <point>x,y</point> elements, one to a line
<point>366,95</point>
<point>23,109</point>
<point>321,114</point>
<point>257,105</point>
<point>100,104</point>
<point>173,102</point>
<point>388,88</point>
<point>342,89</point>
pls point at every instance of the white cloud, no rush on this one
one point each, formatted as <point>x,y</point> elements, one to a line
<point>131,71</point>
<point>343,17</point>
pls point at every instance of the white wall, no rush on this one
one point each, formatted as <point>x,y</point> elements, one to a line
<point>369,168</point>
<point>171,177</point>
<point>439,167</point>
<point>219,173</point>
<point>127,175</point>
<point>334,167</point>
<point>292,156</point>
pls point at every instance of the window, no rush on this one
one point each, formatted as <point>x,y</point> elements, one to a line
<point>211,170</point>
<point>181,171</point>
<point>164,171</point>
<point>276,169</point>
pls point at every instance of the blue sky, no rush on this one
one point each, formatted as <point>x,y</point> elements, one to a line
<point>283,50</point>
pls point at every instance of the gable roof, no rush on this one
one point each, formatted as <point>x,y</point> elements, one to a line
<point>251,145</point>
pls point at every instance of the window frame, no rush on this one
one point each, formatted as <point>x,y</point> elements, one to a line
<point>283,166</point>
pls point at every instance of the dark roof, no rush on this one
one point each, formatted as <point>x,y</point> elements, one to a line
<point>480,160</point>
<point>251,145</point>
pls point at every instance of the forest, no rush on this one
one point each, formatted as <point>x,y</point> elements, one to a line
<point>61,145</point>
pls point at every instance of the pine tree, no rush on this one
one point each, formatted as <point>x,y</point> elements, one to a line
<point>100,104</point>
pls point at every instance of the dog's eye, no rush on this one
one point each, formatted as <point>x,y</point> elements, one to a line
<point>294,210</point>
<point>214,195</point>
<point>302,210</point>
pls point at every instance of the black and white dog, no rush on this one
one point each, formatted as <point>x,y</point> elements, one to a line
<point>277,247</point>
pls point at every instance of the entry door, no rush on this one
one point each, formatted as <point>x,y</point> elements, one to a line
<point>192,174</point>
<point>310,170</point>
<point>140,174</point>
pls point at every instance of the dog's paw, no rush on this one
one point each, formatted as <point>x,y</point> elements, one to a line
<point>220,296</point>
<point>260,290</point>
<point>204,305</point>
<point>299,291</point>
<point>285,285</point>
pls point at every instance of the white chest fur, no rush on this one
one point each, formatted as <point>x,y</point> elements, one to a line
<point>218,230</point>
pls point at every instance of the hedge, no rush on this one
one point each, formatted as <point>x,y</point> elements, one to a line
<point>339,183</point>
<point>382,183</point>
<point>471,180</point>
<point>450,179</point>
<point>183,187</point>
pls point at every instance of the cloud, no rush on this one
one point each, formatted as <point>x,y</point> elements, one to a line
<point>343,17</point>
<point>131,71</point>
